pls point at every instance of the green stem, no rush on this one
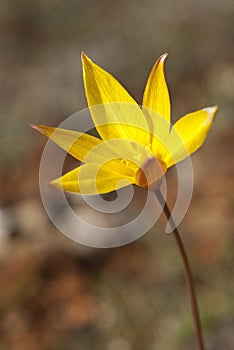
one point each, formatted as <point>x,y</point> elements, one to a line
<point>187,272</point>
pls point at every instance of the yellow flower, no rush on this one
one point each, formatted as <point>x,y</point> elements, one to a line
<point>137,144</point>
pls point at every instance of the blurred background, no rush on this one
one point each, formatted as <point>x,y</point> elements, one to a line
<point>56,294</point>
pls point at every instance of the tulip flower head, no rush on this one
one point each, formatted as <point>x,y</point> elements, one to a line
<point>137,144</point>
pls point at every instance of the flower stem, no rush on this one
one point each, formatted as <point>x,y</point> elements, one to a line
<point>187,272</point>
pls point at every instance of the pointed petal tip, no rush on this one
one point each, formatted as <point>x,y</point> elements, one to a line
<point>51,184</point>
<point>33,126</point>
<point>163,57</point>
<point>56,184</point>
<point>211,111</point>
<point>87,63</point>
<point>85,58</point>
<point>37,128</point>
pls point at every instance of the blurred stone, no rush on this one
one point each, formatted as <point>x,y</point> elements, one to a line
<point>104,315</point>
<point>14,320</point>
<point>8,222</point>
<point>120,344</point>
<point>31,218</point>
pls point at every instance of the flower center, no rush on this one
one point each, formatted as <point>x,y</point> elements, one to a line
<point>150,173</point>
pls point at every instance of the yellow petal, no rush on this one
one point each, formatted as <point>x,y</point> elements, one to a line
<point>156,95</point>
<point>160,131</point>
<point>113,104</point>
<point>101,87</point>
<point>93,179</point>
<point>75,143</point>
<point>130,153</point>
<point>189,133</point>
